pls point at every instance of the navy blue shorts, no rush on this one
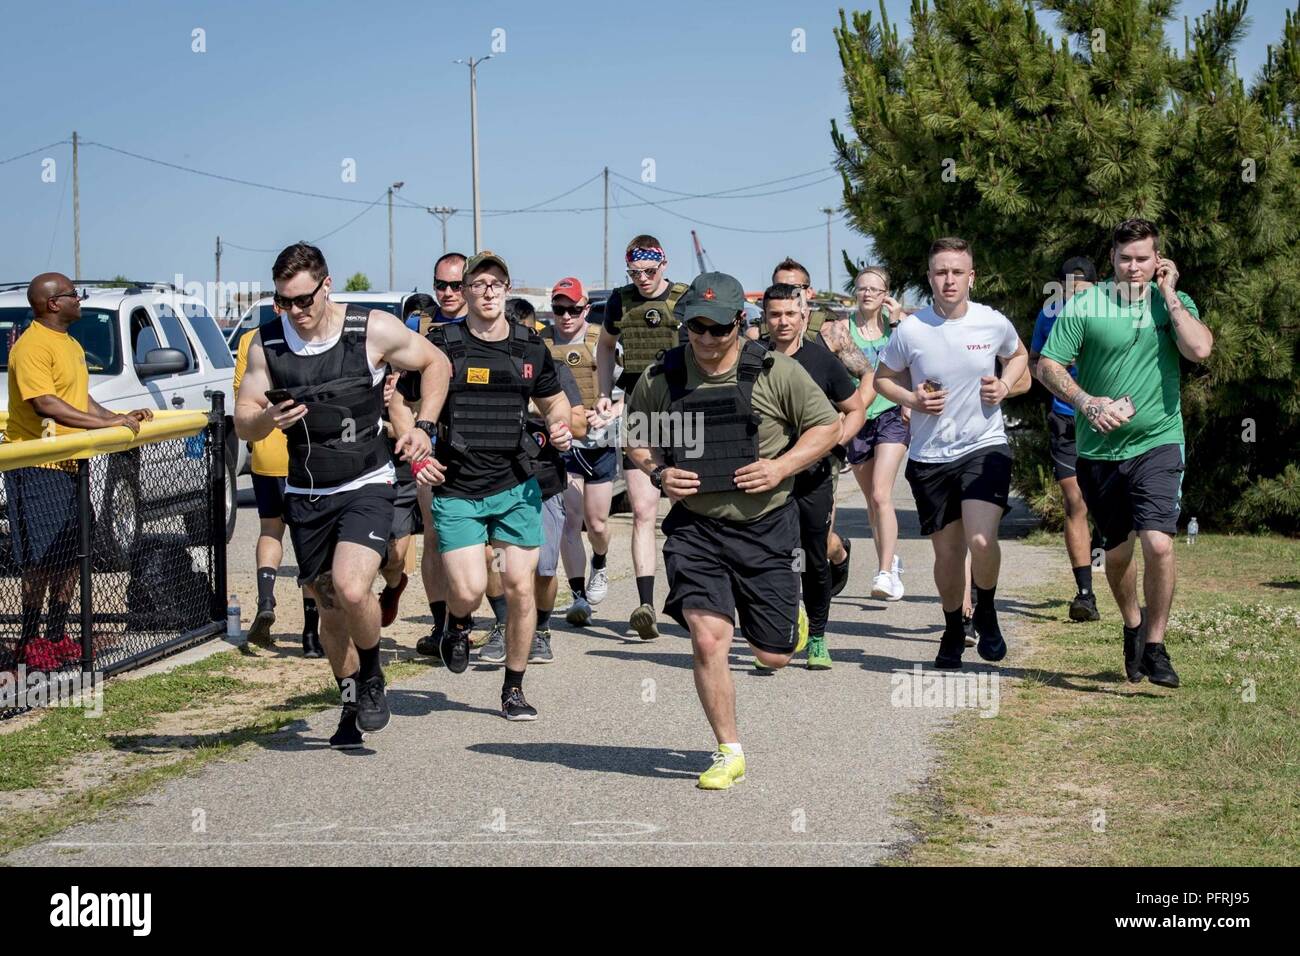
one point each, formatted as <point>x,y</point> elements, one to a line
<point>41,504</point>
<point>595,466</point>
<point>887,428</point>
<point>269,492</point>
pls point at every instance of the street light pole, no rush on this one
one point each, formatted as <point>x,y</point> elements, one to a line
<point>391,190</point>
<point>830,280</point>
<point>473,140</point>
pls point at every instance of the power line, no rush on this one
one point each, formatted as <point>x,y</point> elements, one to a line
<point>33,152</point>
<point>380,198</point>
<point>735,189</point>
<point>714,225</point>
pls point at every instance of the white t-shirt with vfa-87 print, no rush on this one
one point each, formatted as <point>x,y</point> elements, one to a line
<point>955,353</point>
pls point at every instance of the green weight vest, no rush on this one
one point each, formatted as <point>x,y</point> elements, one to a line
<point>648,326</point>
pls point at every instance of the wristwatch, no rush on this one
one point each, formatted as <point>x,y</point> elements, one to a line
<point>657,476</point>
<point>429,428</point>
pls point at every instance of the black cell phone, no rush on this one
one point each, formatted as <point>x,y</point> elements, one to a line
<point>277,396</point>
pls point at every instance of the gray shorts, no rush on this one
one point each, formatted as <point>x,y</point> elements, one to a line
<point>548,560</point>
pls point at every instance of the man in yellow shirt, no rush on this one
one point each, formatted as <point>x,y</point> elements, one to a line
<point>270,467</point>
<point>48,396</point>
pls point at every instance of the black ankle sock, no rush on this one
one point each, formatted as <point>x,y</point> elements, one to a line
<point>498,605</point>
<point>57,622</point>
<point>457,623</point>
<point>645,589</point>
<point>31,623</point>
<point>597,561</point>
<point>265,585</point>
<point>310,616</point>
<point>1135,631</point>
<point>343,691</point>
<point>439,611</point>
<point>578,587</point>
<point>513,679</point>
<point>984,606</point>
<point>1083,578</point>
<point>543,619</point>
<point>369,663</point>
<point>952,625</point>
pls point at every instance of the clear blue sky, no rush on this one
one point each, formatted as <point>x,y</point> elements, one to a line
<point>287,91</point>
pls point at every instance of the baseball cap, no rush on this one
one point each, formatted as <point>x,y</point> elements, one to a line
<point>713,295</point>
<point>1079,265</point>
<point>481,260</point>
<point>570,288</point>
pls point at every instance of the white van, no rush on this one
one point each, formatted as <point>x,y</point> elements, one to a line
<point>147,346</point>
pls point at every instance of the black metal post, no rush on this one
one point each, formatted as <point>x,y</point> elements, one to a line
<point>217,429</point>
<point>84,549</point>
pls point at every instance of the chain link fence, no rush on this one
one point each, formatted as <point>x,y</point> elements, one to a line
<point>113,558</point>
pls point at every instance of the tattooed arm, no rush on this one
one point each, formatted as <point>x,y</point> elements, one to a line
<point>836,336</point>
<point>1096,408</point>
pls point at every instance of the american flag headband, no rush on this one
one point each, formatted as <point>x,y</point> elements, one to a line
<point>646,255</point>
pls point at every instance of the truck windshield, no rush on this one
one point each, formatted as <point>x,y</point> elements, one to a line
<point>96,331</point>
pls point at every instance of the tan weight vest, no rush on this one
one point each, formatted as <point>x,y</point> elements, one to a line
<point>648,326</point>
<point>580,359</point>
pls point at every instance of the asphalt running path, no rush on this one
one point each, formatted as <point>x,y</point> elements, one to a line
<point>606,775</point>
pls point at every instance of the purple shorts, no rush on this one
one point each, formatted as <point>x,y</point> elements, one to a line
<point>887,428</point>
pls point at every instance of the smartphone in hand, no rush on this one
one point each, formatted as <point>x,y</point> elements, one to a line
<point>1123,406</point>
<point>278,396</point>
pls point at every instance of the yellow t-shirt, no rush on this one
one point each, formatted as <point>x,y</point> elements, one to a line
<point>45,362</point>
<point>270,454</point>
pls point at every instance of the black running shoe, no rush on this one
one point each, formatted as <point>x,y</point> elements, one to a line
<point>950,650</point>
<point>311,644</point>
<point>260,632</point>
<point>1134,640</point>
<point>1084,607</point>
<point>454,650</point>
<point>1156,664</point>
<point>990,645</point>
<point>348,736</point>
<point>840,572</point>
<point>372,705</point>
<point>514,707</point>
<point>968,628</point>
<point>429,644</point>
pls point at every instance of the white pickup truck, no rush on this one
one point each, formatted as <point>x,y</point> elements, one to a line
<point>147,346</point>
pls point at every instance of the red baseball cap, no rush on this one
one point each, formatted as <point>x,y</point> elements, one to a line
<point>570,288</point>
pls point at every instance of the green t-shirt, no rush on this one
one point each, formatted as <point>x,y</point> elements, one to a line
<point>1123,349</point>
<point>788,402</point>
<point>872,348</point>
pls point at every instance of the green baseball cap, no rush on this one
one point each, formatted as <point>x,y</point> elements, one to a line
<point>713,295</point>
<point>483,259</point>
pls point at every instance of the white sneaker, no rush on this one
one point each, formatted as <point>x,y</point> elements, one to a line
<point>597,587</point>
<point>887,586</point>
<point>897,576</point>
<point>579,613</point>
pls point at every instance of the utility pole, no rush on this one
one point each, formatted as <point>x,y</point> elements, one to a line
<point>830,281</point>
<point>76,210</point>
<point>605,259</point>
<point>473,140</point>
<point>391,188</point>
<point>217,302</point>
<point>443,213</point>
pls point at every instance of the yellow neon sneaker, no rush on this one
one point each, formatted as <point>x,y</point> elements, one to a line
<point>803,630</point>
<point>728,768</point>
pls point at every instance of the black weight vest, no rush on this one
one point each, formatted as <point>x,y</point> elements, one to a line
<point>487,404</point>
<point>730,424</point>
<point>341,437</point>
<point>548,467</point>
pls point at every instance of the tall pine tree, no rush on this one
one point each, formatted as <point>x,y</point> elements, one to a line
<point>987,126</point>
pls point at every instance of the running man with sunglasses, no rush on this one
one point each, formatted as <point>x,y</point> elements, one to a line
<point>318,375</point>
<point>733,531</point>
<point>640,315</point>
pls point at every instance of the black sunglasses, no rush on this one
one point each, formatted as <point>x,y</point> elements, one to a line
<point>301,301</point>
<point>442,285</point>
<point>79,296</point>
<point>715,329</point>
<point>568,309</point>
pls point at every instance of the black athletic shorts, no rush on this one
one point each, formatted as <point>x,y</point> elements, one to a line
<point>941,487</point>
<point>595,466</point>
<point>269,492</point>
<point>1136,494</point>
<point>1060,435</point>
<point>44,522</point>
<point>736,568</point>
<point>406,510</point>
<point>318,523</point>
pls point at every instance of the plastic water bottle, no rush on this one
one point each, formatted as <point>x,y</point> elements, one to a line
<point>233,630</point>
<point>1192,529</point>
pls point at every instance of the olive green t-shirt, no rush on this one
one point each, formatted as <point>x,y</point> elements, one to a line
<point>1122,348</point>
<point>788,402</point>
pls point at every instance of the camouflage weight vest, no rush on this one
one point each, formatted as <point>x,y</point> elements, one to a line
<point>648,326</point>
<point>580,359</point>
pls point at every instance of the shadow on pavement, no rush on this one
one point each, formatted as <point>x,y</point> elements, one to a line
<point>634,761</point>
